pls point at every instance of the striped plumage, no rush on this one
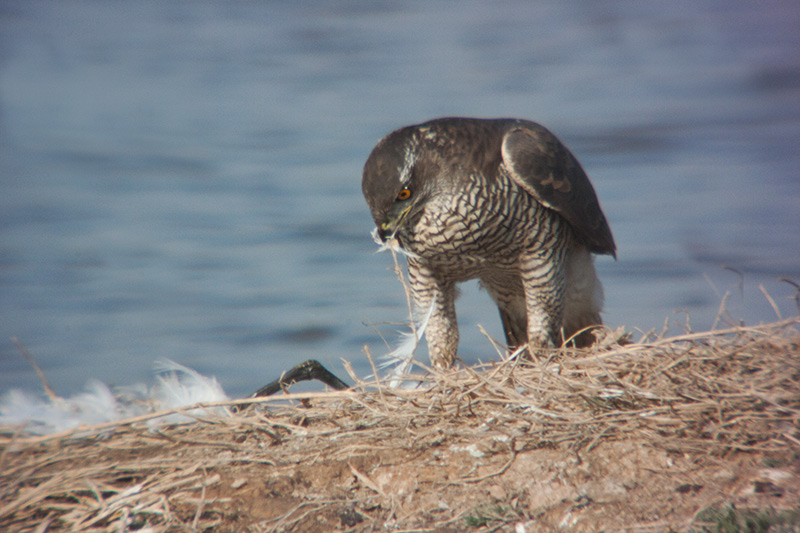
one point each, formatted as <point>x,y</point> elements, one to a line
<point>500,200</point>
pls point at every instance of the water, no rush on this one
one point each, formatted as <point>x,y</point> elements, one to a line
<point>182,179</point>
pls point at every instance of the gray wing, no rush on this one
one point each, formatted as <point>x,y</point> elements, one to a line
<point>543,166</point>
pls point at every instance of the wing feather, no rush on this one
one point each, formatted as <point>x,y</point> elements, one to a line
<point>540,163</point>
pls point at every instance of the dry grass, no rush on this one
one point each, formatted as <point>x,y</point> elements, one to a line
<point>642,436</point>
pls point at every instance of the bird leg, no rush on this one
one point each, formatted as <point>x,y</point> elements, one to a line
<point>441,333</point>
<point>545,286</point>
<point>542,332</point>
<point>515,330</point>
<point>507,291</point>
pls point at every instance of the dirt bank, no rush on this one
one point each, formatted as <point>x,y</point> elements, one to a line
<point>671,434</point>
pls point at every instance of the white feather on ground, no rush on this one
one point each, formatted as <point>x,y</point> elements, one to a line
<point>176,386</point>
<point>401,359</point>
<point>42,416</point>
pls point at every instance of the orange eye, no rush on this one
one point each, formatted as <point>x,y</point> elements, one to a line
<point>405,194</point>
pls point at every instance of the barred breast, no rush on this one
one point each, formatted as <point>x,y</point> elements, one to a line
<point>483,228</point>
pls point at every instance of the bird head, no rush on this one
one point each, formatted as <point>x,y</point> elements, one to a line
<point>394,182</point>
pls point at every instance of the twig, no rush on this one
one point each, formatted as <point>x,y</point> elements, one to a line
<point>407,289</point>
<point>374,372</point>
<point>771,301</point>
<point>366,480</point>
<point>200,505</point>
<point>28,357</point>
<point>176,440</point>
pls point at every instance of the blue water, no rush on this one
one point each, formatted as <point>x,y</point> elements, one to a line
<point>182,179</point>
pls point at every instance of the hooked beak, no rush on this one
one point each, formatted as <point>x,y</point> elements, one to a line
<point>387,230</point>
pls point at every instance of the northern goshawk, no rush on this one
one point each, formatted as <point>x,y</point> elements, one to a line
<point>500,200</point>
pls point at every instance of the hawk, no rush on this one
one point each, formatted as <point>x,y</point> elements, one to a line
<point>500,200</point>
